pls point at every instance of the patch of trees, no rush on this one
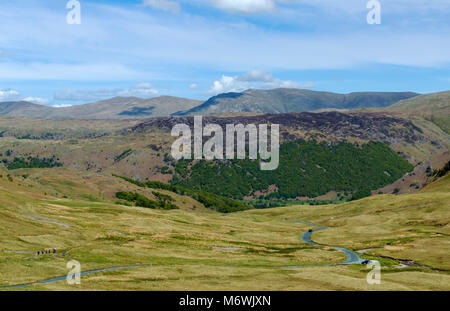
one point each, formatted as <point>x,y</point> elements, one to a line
<point>443,171</point>
<point>31,162</point>
<point>307,169</point>
<point>162,197</point>
<point>123,155</point>
<point>361,194</point>
<point>41,136</point>
<point>209,200</point>
<point>142,201</point>
<point>263,203</point>
<point>166,170</point>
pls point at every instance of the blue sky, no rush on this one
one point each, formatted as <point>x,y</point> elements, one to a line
<point>199,48</point>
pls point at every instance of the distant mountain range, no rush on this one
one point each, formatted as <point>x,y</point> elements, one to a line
<point>293,100</point>
<point>255,101</point>
<point>114,108</point>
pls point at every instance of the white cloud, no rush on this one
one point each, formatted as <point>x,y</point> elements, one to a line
<point>165,5</point>
<point>226,84</point>
<point>13,95</point>
<point>9,95</point>
<point>253,79</point>
<point>193,86</point>
<point>142,89</point>
<point>37,100</point>
<point>245,6</point>
<point>61,105</point>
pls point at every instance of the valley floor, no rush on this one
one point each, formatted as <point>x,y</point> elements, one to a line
<point>197,249</point>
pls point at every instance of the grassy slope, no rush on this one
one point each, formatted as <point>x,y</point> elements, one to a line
<point>176,248</point>
<point>414,227</point>
<point>434,107</point>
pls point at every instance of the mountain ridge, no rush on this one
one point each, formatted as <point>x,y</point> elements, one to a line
<point>113,108</point>
<point>285,100</point>
<point>281,100</point>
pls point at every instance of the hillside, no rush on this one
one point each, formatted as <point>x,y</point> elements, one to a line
<point>128,108</point>
<point>434,107</point>
<point>306,169</point>
<point>292,100</point>
<point>415,139</point>
<point>114,108</point>
<point>141,150</point>
<point>24,109</point>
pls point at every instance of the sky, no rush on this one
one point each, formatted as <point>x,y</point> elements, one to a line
<point>200,48</point>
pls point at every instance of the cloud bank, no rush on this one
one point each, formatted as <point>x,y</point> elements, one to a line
<point>8,94</point>
<point>260,79</point>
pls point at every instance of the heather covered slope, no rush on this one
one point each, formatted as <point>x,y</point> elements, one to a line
<point>415,138</point>
<point>141,150</point>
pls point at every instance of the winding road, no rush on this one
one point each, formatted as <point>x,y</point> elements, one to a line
<point>352,258</point>
<point>62,278</point>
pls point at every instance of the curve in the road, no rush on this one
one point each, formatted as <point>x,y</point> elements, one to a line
<point>352,257</point>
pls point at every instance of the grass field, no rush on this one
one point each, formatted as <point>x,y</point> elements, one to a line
<point>197,249</point>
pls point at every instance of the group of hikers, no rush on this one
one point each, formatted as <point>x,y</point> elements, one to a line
<point>46,251</point>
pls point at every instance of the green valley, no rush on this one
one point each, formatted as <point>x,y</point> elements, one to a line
<point>194,247</point>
